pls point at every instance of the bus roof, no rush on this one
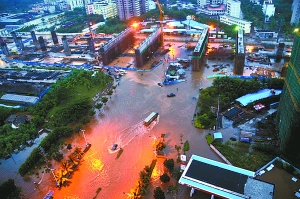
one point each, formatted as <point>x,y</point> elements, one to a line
<point>150,116</point>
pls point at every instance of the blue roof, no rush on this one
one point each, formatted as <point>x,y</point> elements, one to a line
<point>218,135</point>
<point>265,93</point>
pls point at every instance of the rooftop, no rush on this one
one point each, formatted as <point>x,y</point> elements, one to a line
<point>224,180</point>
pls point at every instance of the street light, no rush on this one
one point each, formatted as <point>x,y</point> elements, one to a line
<point>57,184</point>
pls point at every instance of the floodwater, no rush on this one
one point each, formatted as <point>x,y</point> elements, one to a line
<point>120,122</point>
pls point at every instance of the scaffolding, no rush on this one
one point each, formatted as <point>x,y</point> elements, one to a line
<point>288,115</point>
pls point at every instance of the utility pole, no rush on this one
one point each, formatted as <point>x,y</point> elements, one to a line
<point>218,109</point>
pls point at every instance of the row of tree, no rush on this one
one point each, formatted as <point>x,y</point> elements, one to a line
<point>68,101</point>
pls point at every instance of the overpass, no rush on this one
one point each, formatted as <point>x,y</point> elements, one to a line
<point>198,56</point>
<point>117,45</point>
<point>146,49</point>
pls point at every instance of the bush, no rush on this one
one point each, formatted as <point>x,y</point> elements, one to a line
<point>209,139</point>
<point>98,105</point>
<point>158,193</point>
<point>165,178</point>
<point>169,163</point>
<point>186,146</point>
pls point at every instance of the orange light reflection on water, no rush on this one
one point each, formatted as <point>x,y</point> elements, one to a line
<point>96,164</point>
<point>156,173</point>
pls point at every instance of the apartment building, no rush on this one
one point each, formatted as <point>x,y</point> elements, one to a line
<point>108,10</point>
<point>245,25</point>
<point>233,8</point>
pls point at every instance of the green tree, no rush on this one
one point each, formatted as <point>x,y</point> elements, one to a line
<point>99,105</point>
<point>186,146</point>
<point>173,189</point>
<point>104,100</point>
<point>158,193</point>
<point>8,189</point>
<point>165,178</point>
<point>169,163</point>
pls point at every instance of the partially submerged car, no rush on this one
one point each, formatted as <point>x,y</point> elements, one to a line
<point>114,147</point>
<point>160,84</point>
<point>171,95</point>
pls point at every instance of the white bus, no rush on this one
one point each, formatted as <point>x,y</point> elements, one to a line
<point>150,118</point>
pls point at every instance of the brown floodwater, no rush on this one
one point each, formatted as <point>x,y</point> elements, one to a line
<point>120,122</point>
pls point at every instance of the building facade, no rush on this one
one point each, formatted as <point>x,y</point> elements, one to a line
<point>268,9</point>
<point>108,10</point>
<point>131,8</point>
<point>288,113</point>
<point>212,10</point>
<point>75,4</point>
<point>233,8</point>
<point>295,12</point>
<point>245,25</point>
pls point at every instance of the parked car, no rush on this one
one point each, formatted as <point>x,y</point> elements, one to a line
<point>171,95</point>
<point>114,147</point>
<point>160,84</point>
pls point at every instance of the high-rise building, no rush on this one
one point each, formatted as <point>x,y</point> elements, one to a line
<point>75,4</point>
<point>268,9</point>
<point>131,8</point>
<point>233,8</point>
<point>295,12</point>
<point>288,113</point>
<point>107,10</point>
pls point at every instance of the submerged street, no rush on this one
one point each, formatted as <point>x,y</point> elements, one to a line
<point>120,122</point>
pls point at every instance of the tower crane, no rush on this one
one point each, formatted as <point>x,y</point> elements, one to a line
<point>161,19</point>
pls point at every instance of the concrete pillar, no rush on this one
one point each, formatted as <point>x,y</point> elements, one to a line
<point>54,37</point>
<point>91,45</point>
<point>3,47</point>
<point>42,44</point>
<point>65,44</point>
<point>20,43</point>
<point>33,36</point>
<point>138,58</point>
<point>14,35</point>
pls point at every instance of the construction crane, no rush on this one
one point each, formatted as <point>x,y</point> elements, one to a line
<point>161,19</point>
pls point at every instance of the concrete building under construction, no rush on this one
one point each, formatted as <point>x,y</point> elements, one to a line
<point>239,60</point>
<point>288,115</point>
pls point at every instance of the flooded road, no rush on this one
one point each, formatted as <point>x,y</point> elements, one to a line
<point>120,121</point>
